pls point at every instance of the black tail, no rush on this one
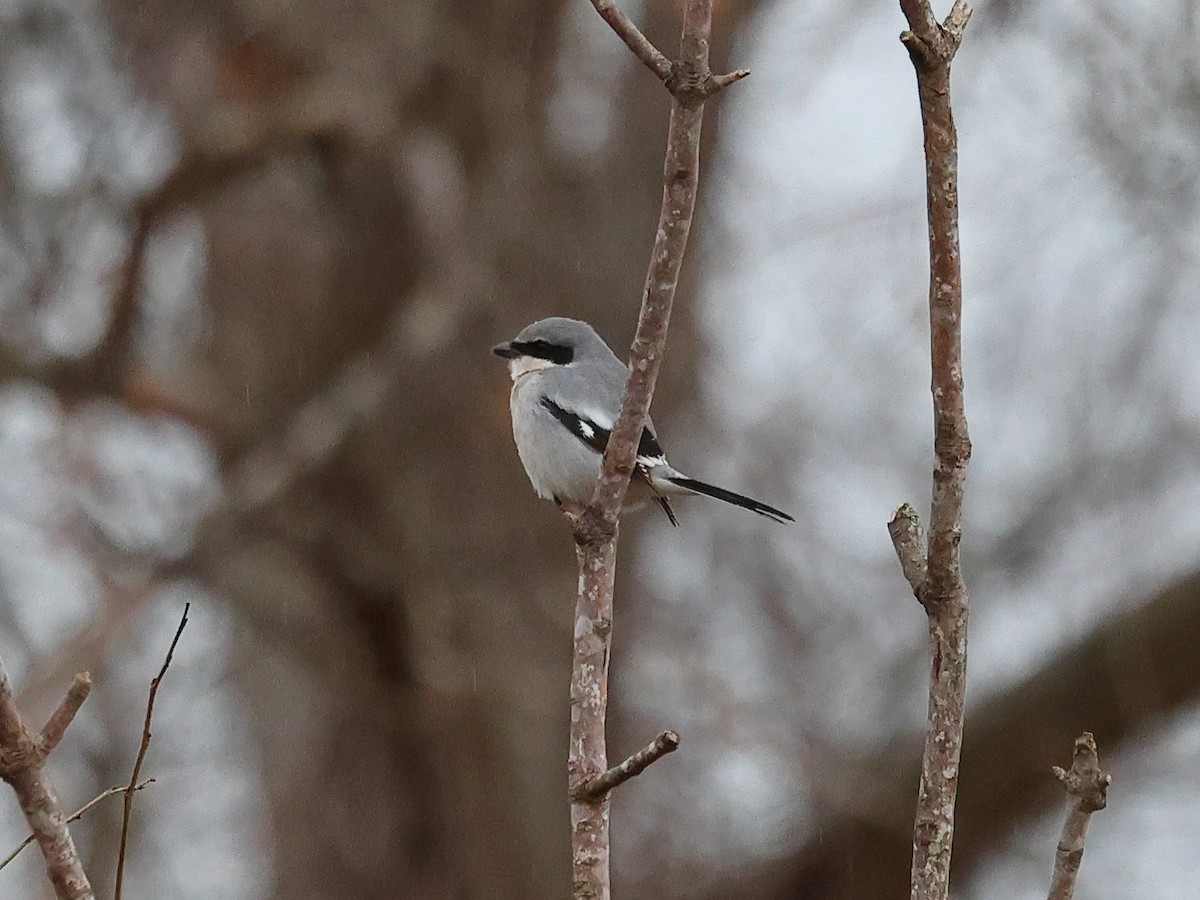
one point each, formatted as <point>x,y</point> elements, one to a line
<point>709,490</point>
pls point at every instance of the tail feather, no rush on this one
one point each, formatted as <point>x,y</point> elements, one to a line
<point>709,490</point>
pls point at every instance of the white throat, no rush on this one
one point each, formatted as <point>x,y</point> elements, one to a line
<point>523,365</point>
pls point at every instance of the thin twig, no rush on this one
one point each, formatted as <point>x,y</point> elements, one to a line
<point>690,83</point>
<point>1088,787</point>
<point>23,767</point>
<point>74,817</point>
<point>131,788</point>
<point>936,575</point>
<point>596,788</point>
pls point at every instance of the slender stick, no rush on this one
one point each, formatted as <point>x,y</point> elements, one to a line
<point>1088,787</point>
<point>936,576</point>
<point>132,787</point>
<point>590,782</point>
<point>74,817</point>
<point>23,767</point>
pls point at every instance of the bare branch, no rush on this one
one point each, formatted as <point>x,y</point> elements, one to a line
<point>22,766</point>
<point>52,731</point>
<point>667,742</point>
<point>132,787</point>
<point>634,39</point>
<point>690,82</point>
<point>1088,786</point>
<point>74,817</point>
<point>937,578</point>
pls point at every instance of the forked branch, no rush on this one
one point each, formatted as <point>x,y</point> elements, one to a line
<point>1088,787</point>
<point>23,766</point>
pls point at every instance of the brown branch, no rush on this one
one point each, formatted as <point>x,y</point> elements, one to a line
<point>23,767</point>
<point>132,787</point>
<point>690,83</point>
<point>597,788</point>
<point>1088,787</point>
<point>74,817</point>
<point>931,47</point>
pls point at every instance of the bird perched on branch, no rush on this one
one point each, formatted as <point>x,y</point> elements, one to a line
<point>566,395</point>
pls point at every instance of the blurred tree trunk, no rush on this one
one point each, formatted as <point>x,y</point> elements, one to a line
<point>381,187</point>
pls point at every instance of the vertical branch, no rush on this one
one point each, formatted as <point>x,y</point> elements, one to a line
<point>132,787</point>
<point>1088,787</point>
<point>690,83</point>
<point>936,576</point>
<point>23,766</point>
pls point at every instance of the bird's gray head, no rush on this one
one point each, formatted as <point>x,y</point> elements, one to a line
<point>552,342</point>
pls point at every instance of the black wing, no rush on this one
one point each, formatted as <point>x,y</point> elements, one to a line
<point>594,436</point>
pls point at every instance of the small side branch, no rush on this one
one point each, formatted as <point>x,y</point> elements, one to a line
<point>23,767</point>
<point>56,725</point>
<point>654,58</point>
<point>1088,787</point>
<point>599,787</point>
<point>908,539</point>
<point>132,787</point>
<point>935,575</point>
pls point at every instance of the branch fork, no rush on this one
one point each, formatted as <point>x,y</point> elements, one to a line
<point>23,757</point>
<point>1088,786</point>
<point>688,79</point>
<point>932,43</point>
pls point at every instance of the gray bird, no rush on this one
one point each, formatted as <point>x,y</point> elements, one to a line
<point>566,395</point>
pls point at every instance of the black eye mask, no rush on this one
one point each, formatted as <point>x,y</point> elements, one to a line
<point>559,354</point>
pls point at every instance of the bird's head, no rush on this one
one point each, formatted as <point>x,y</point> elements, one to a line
<point>550,342</point>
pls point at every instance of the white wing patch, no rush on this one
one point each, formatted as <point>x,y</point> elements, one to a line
<point>587,429</point>
<point>601,418</point>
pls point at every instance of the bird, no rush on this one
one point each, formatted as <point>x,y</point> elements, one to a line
<point>567,387</point>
